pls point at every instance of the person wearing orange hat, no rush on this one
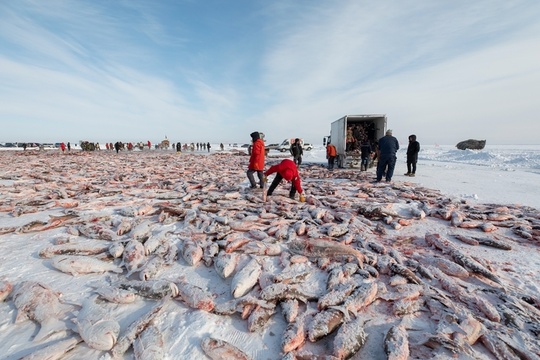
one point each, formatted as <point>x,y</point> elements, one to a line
<point>287,170</point>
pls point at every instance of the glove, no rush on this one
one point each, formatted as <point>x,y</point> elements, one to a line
<point>302,198</point>
<point>265,179</point>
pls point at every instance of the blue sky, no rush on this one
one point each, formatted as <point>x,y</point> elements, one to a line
<point>211,70</point>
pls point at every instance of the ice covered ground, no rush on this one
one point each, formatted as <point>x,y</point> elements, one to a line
<point>505,174</point>
<point>103,189</point>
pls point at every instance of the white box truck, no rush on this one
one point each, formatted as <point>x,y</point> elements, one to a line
<point>372,127</point>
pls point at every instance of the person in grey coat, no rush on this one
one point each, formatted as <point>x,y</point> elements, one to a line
<point>388,146</point>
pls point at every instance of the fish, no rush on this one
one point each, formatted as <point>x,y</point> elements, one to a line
<point>142,231</point>
<point>336,295</point>
<point>152,268</point>
<point>406,306</point>
<point>32,226</point>
<point>217,349</point>
<point>323,248</point>
<point>192,252</point>
<point>73,249</point>
<point>194,296</point>
<point>337,230</point>
<point>5,289</point>
<point>116,249</point>
<point>290,308</point>
<point>210,251</point>
<point>97,328</point>
<point>116,295</point>
<point>151,289</point>
<point>97,231</point>
<point>446,266</point>
<point>295,334</point>
<point>405,272</point>
<point>149,344</point>
<point>246,278</point>
<point>396,343</point>
<point>282,291</point>
<point>261,248</point>
<point>324,323</point>
<point>362,296</point>
<point>349,339</point>
<point>135,328</point>
<point>472,329</point>
<point>497,347</point>
<point>54,351</point>
<point>124,227</point>
<point>37,301</point>
<point>494,243</point>
<point>133,257</point>
<point>76,265</point>
<point>225,263</point>
<point>459,257</point>
<point>259,317</point>
<point>293,274</point>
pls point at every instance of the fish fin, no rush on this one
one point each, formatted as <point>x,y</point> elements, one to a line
<point>21,316</point>
<point>49,327</point>
<point>343,310</point>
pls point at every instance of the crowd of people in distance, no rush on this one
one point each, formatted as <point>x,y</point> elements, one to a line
<point>357,139</point>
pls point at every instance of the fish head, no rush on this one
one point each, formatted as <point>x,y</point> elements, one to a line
<point>103,335</point>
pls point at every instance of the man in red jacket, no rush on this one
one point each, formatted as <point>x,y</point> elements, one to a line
<point>256,160</point>
<point>286,170</point>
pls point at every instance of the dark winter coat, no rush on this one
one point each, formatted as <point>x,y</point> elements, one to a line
<point>365,150</point>
<point>296,150</point>
<point>388,146</point>
<point>413,149</point>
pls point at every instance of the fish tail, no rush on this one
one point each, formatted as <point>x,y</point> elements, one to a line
<point>49,327</point>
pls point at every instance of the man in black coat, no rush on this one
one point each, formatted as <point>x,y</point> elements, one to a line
<point>412,155</point>
<point>297,152</point>
<point>388,146</point>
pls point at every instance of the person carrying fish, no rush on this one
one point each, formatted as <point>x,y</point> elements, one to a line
<point>287,170</point>
<point>256,160</point>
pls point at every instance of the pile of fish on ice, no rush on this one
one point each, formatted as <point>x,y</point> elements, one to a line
<point>133,245</point>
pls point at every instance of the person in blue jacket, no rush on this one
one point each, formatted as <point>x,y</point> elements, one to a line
<point>388,146</point>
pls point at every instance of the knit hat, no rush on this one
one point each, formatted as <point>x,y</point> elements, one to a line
<point>255,135</point>
<point>287,174</point>
<point>389,132</point>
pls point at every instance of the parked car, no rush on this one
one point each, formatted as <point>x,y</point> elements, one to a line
<point>272,146</point>
<point>307,147</point>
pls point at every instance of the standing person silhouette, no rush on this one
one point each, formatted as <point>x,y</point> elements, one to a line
<point>297,152</point>
<point>388,146</point>
<point>256,160</point>
<point>412,155</point>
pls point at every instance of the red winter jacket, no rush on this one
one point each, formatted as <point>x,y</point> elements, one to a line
<point>256,161</point>
<point>288,170</point>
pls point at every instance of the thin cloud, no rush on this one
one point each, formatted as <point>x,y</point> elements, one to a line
<point>136,69</point>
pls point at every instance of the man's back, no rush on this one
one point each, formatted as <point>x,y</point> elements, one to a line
<point>388,145</point>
